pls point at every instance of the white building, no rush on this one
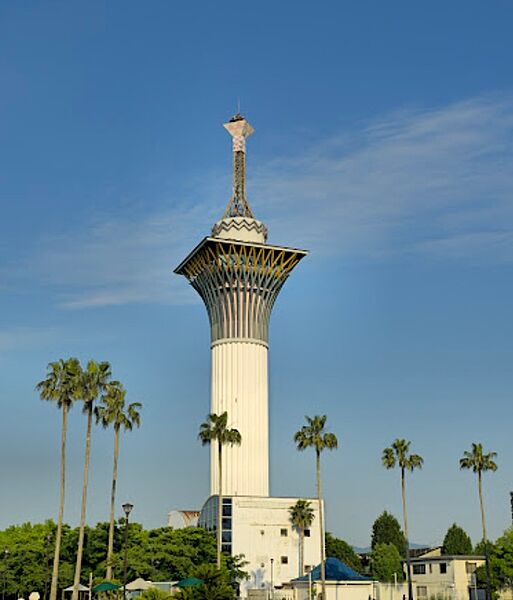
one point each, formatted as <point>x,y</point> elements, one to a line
<point>239,276</point>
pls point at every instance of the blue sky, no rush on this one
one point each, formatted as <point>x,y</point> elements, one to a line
<point>384,145</point>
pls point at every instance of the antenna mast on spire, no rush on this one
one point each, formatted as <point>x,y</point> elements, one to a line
<point>239,129</point>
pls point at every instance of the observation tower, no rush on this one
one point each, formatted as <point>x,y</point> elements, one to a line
<point>239,276</point>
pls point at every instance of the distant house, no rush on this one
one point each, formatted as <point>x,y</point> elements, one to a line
<point>437,576</point>
<point>179,519</point>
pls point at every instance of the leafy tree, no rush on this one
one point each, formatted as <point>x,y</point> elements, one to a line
<point>398,455</point>
<point>301,517</point>
<point>216,584</point>
<point>386,563</point>
<point>154,594</point>
<point>160,554</point>
<point>337,548</point>
<point>501,564</point>
<point>59,387</point>
<point>313,435</point>
<point>480,462</point>
<point>113,412</point>
<point>90,384</point>
<point>456,541</point>
<point>215,429</point>
<point>387,530</point>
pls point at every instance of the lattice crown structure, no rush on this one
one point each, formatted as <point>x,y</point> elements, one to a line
<point>239,283</point>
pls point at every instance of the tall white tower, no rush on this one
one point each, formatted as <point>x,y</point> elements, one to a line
<point>238,276</point>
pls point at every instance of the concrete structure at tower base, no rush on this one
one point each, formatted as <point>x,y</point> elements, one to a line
<point>259,528</point>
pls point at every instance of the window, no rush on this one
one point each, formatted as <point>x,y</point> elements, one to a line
<point>443,568</point>
<point>284,560</point>
<point>430,568</point>
<point>308,568</point>
<point>419,570</point>
<point>470,567</point>
<point>307,533</point>
<point>422,590</point>
<point>284,532</point>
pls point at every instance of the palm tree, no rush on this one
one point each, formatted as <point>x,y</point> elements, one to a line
<point>313,435</point>
<point>479,463</point>
<point>301,516</point>
<point>397,455</point>
<point>215,429</point>
<point>112,412</point>
<point>59,387</point>
<point>92,383</point>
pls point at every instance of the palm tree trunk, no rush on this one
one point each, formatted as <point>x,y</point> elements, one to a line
<point>301,551</point>
<point>485,538</point>
<point>405,516</point>
<point>219,504</point>
<point>321,525</point>
<point>110,547</point>
<point>78,566</point>
<point>58,534</point>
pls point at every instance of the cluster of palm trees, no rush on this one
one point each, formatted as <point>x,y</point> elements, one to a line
<point>398,455</point>
<point>103,399</point>
<point>313,435</point>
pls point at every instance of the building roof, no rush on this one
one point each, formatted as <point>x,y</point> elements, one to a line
<point>336,570</point>
<point>447,557</point>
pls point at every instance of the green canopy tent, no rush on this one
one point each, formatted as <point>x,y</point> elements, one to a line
<point>106,586</point>
<point>189,582</point>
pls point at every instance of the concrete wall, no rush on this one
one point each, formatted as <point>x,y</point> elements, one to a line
<point>257,533</point>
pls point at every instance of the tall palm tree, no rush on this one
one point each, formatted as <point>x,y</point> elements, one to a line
<point>312,435</point>
<point>112,411</point>
<point>59,387</point>
<point>215,430</point>
<point>480,462</point>
<point>398,455</point>
<point>301,516</point>
<point>92,383</point>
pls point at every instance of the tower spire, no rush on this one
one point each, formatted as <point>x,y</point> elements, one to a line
<point>238,206</point>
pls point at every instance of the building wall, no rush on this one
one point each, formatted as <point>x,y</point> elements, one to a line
<point>452,585</point>
<point>260,529</point>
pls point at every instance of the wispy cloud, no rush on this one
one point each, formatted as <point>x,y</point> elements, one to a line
<point>427,183</point>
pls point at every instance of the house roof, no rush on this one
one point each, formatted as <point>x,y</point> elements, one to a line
<point>446,558</point>
<point>336,570</point>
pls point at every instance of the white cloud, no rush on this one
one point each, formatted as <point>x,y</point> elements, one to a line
<point>434,183</point>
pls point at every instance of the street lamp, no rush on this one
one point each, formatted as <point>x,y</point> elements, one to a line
<point>6,554</point>
<point>272,578</point>
<point>127,507</point>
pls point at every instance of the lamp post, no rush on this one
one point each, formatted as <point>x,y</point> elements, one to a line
<point>272,578</point>
<point>127,507</point>
<point>6,554</point>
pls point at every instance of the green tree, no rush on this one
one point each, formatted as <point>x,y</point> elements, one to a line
<point>91,383</point>
<point>398,455</point>
<point>59,387</point>
<point>480,462</point>
<point>337,548</point>
<point>456,541</point>
<point>387,530</point>
<point>501,563</point>
<point>113,411</point>
<point>313,435</point>
<point>154,594</point>
<point>215,430</point>
<point>301,517</point>
<point>386,563</point>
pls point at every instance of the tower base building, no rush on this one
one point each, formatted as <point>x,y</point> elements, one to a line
<point>239,276</point>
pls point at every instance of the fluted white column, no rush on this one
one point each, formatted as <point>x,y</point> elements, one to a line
<point>240,387</point>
